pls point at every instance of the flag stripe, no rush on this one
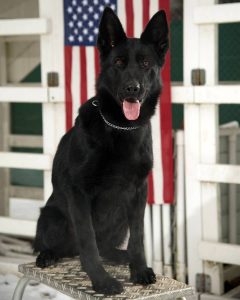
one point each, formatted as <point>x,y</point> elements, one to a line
<point>137,7</point>
<point>150,197</point>
<point>166,122</point>
<point>154,7</point>
<point>91,76</point>
<point>68,79</point>
<point>121,11</point>
<point>75,85</point>
<point>130,18</point>
<point>83,74</point>
<point>146,9</point>
<point>96,60</point>
<point>157,150</point>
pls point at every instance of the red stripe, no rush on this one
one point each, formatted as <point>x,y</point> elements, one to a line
<point>83,75</point>
<point>68,80</point>
<point>150,198</point>
<point>96,61</point>
<point>145,19</point>
<point>146,6</point>
<point>129,17</point>
<point>166,122</point>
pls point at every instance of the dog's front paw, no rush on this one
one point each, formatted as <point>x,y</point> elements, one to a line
<point>143,276</point>
<point>46,259</point>
<point>108,286</point>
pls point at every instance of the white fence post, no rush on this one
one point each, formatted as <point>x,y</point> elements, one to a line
<point>181,270</point>
<point>4,133</point>
<point>52,60</point>
<point>192,146</point>
<point>233,192</point>
<point>209,150</point>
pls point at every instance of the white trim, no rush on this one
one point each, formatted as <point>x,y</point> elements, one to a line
<point>181,268</point>
<point>25,161</point>
<point>32,141</point>
<point>26,192</point>
<point>220,252</point>
<point>215,14</point>
<point>23,26</point>
<point>217,94</point>
<point>157,239</point>
<point>182,94</point>
<point>31,94</point>
<point>218,173</point>
<point>17,227</point>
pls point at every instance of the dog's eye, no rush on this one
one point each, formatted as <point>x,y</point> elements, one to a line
<point>118,62</point>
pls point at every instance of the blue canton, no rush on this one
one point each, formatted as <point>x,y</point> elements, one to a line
<point>81,18</point>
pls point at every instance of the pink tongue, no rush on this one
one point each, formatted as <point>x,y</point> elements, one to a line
<point>131,110</point>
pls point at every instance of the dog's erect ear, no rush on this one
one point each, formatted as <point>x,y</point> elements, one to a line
<point>111,32</point>
<point>156,33</point>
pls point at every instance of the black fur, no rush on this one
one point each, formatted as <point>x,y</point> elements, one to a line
<point>100,173</point>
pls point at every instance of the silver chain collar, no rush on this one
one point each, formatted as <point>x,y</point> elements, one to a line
<point>95,103</point>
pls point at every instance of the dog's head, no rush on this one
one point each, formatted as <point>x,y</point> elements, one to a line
<point>130,67</point>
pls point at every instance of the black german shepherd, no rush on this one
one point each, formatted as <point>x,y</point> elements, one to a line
<point>101,166</point>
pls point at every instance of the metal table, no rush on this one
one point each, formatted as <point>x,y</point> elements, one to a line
<point>68,278</point>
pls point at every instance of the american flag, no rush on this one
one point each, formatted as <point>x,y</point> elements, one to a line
<point>81,20</point>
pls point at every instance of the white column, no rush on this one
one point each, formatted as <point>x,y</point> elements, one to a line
<point>52,60</point>
<point>180,208</point>
<point>192,145</point>
<point>4,133</point>
<point>209,149</point>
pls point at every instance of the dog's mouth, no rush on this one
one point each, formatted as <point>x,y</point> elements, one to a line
<point>131,108</point>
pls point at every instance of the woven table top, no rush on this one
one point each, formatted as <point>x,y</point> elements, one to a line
<point>68,277</point>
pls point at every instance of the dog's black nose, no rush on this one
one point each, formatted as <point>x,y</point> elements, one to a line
<point>132,88</point>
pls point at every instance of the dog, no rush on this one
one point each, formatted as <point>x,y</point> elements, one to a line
<point>101,165</point>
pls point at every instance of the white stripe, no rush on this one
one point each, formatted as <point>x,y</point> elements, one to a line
<point>75,84</point>
<point>121,11</point>
<point>138,18</point>
<point>157,154</point>
<point>90,60</point>
<point>153,7</point>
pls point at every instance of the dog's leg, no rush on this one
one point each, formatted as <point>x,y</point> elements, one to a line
<point>80,209</point>
<point>52,236</point>
<point>140,273</point>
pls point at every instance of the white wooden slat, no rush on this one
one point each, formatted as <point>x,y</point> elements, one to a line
<point>203,94</point>
<point>193,190</point>
<point>209,137</point>
<point>148,235</point>
<point>233,230</point>
<point>220,252</point>
<point>217,94</point>
<point>52,60</point>
<point>167,240</point>
<point>24,26</point>
<point>25,161</point>
<point>4,131</point>
<point>31,141</point>
<point>26,192</point>
<point>31,94</point>
<point>182,94</point>
<point>17,227</point>
<point>157,239</point>
<point>56,94</point>
<point>192,144</point>
<point>216,14</point>
<point>218,173</point>
<point>181,269</point>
